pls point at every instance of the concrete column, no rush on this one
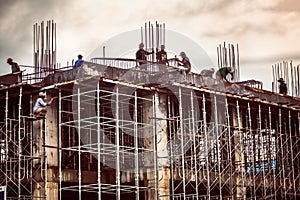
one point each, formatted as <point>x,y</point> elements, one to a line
<point>239,158</point>
<point>45,147</point>
<point>163,173</point>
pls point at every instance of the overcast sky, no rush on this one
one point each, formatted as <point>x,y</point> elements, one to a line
<point>267,31</point>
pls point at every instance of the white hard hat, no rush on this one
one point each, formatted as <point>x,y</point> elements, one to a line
<point>42,94</point>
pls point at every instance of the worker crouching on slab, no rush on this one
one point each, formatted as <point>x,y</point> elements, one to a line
<point>221,74</point>
<point>40,107</point>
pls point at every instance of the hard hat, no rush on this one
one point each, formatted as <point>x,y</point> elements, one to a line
<point>281,80</point>
<point>9,59</point>
<point>141,45</point>
<point>42,94</point>
<point>182,54</point>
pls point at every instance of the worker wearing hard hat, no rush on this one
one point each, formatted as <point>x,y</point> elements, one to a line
<point>40,107</point>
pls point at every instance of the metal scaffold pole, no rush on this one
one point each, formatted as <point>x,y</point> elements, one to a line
<point>6,134</point>
<point>181,118</point>
<point>19,148</point>
<point>136,150</point>
<point>155,164</point>
<point>292,155</point>
<point>59,143</point>
<point>79,142</point>
<point>230,147</point>
<point>206,149</point>
<point>282,170</point>
<point>239,156</point>
<point>99,133</point>
<point>117,143</point>
<point>194,121</point>
<point>171,125</point>
<point>297,154</point>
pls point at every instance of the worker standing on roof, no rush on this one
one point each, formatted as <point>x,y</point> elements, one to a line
<point>185,62</point>
<point>39,109</point>
<point>222,73</point>
<point>161,56</point>
<point>282,86</point>
<point>140,55</point>
<point>208,72</point>
<point>78,62</point>
<point>14,66</point>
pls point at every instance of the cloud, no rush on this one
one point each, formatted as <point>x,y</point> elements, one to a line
<point>287,6</point>
<point>264,29</point>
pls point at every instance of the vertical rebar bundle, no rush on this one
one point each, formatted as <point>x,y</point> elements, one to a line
<point>153,37</point>
<point>44,48</point>
<point>290,74</point>
<point>229,57</point>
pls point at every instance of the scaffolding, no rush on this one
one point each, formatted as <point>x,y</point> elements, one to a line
<point>109,139</point>
<point>22,157</point>
<point>122,133</point>
<point>106,133</point>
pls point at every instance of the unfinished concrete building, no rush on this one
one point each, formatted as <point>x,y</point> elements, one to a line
<point>117,131</point>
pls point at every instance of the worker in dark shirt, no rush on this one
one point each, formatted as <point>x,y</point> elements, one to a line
<point>282,86</point>
<point>185,62</point>
<point>161,56</point>
<point>14,66</point>
<point>141,54</point>
<point>222,73</point>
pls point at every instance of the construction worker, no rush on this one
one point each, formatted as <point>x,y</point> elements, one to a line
<point>140,55</point>
<point>185,62</point>
<point>222,73</point>
<point>78,62</point>
<point>282,86</point>
<point>39,109</point>
<point>161,56</point>
<point>14,66</point>
<point>208,72</point>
